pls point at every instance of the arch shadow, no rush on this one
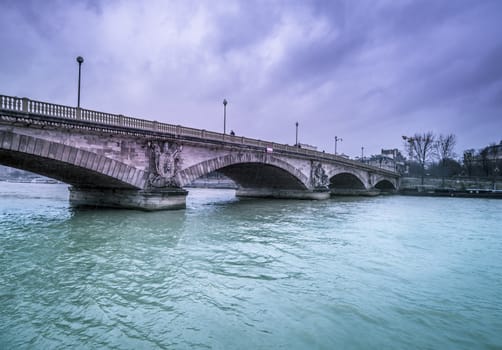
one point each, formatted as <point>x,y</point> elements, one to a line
<point>385,186</point>
<point>346,181</point>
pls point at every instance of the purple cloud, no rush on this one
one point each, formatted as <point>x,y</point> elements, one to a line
<point>366,71</point>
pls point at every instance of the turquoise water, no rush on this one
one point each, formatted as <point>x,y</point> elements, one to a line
<point>369,273</point>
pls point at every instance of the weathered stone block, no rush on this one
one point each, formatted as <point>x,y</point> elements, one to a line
<point>166,199</point>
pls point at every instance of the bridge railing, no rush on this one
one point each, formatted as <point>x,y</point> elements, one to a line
<point>43,108</point>
<point>11,103</point>
<point>26,105</point>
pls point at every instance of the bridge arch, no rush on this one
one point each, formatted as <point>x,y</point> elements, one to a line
<point>250,169</point>
<point>386,185</point>
<point>347,180</point>
<point>66,163</point>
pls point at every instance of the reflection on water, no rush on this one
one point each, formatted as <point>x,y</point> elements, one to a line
<point>384,272</point>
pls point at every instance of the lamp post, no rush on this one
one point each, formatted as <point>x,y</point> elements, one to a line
<point>495,174</point>
<point>224,116</point>
<point>410,141</point>
<point>336,140</point>
<point>80,60</point>
<point>296,143</point>
<point>362,154</point>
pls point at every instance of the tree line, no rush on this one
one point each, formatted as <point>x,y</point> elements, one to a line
<point>434,155</point>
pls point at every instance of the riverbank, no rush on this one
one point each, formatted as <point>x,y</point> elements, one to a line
<point>213,183</point>
<point>32,181</point>
<point>453,187</point>
<point>456,183</point>
<point>445,192</point>
<point>432,187</point>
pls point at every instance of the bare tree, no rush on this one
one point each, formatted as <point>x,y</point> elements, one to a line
<point>421,148</point>
<point>469,160</point>
<point>485,161</point>
<point>494,150</point>
<point>444,150</point>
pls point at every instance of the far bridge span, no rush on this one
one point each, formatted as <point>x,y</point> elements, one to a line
<point>117,161</point>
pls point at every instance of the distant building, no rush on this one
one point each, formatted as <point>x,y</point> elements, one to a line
<point>13,174</point>
<point>484,162</point>
<point>490,158</point>
<point>389,159</point>
<point>494,152</point>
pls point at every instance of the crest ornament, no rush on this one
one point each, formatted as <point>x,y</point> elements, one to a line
<point>165,163</point>
<point>318,176</point>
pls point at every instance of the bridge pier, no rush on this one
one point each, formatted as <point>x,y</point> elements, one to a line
<point>355,192</point>
<point>149,200</point>
<point>281,193</point>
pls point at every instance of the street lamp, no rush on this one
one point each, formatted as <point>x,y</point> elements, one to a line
<point>224,116</point>
<point>336,140</point>
<point>296,144</point>
<point>80,60</point>
<point>495,174</point>
<point>362,154</point>
<point>410,141</point>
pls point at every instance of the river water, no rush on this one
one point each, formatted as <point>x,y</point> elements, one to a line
<point>387,272</point>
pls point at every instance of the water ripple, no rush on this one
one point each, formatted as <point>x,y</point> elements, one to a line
<point>389,272</point>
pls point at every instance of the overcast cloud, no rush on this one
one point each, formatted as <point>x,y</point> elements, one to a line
<point>366,71</point>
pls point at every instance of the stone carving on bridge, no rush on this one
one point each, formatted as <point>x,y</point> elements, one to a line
<point>165,162</point>
<point>318,176</point>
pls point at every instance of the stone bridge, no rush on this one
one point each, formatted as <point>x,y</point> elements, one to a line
<point>117,161</point>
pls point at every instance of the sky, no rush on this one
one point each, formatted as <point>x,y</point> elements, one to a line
<point>367,72</point>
